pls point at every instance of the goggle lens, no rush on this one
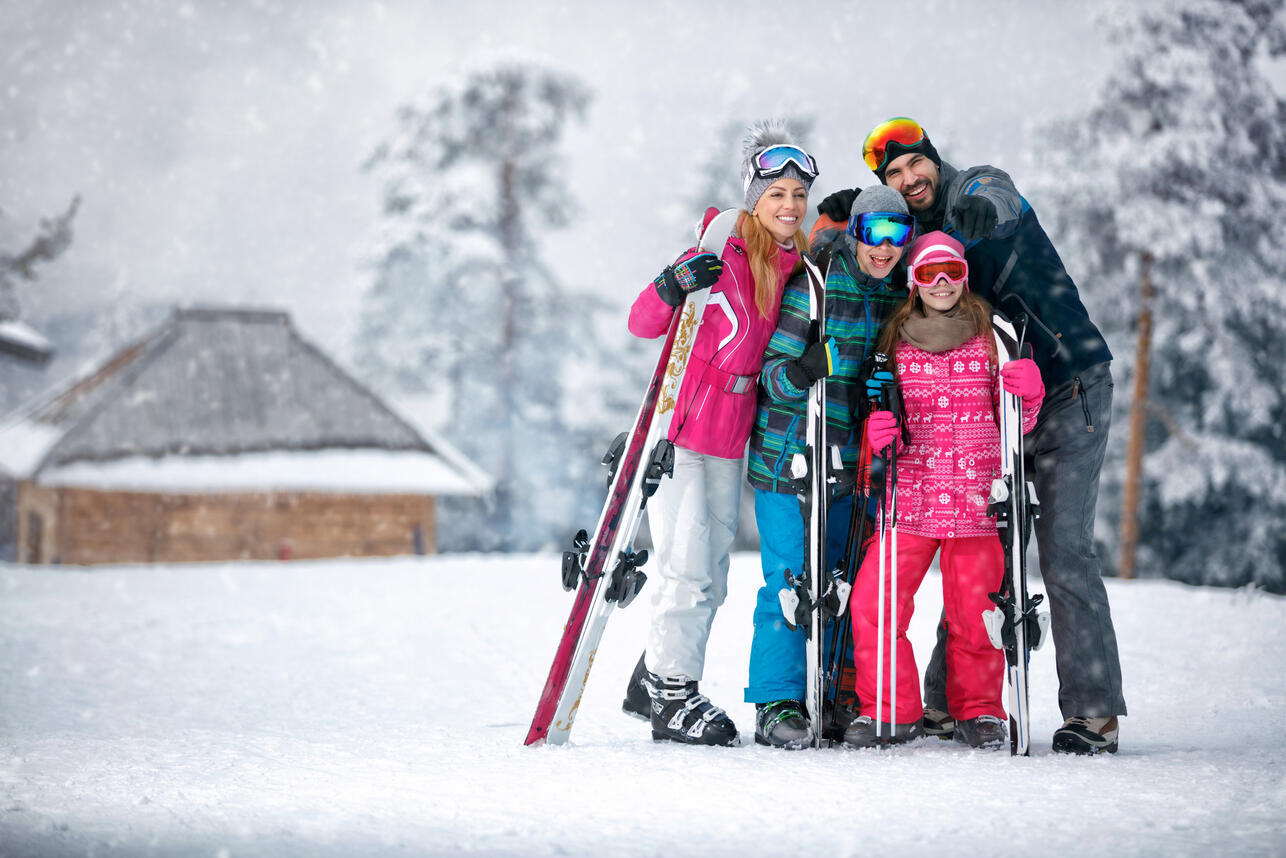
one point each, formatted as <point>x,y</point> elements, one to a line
<point>926,274</point>
<point>875,228</point>
<point>774,159</point>
<point>897,130</point>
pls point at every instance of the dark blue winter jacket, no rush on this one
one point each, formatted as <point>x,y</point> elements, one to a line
<point>1018,270</point>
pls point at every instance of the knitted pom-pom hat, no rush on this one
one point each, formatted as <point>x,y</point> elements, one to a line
<point>933,247</point>
<point>758,137</point>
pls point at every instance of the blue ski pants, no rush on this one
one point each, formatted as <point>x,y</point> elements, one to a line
<point>777,656</point>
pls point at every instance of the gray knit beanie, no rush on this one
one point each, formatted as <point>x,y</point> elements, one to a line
<point>759,137</point>
<point>878,198</point>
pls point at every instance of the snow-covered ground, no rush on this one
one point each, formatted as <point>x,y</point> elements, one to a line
<point>356,708</point>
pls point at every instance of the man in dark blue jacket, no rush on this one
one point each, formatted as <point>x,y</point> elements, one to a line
<point>1013,264</point>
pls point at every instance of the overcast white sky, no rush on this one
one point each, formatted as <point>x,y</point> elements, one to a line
<point>217,145</point>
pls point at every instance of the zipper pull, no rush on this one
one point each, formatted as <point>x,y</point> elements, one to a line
<point>1085,406</point>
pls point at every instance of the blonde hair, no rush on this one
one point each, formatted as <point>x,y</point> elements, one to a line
<point>763,252</point>
<point>976,310</point>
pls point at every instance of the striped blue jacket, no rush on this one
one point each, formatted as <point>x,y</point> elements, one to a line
<point>856,308</point>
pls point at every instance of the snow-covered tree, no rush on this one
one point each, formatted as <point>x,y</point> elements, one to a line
<point>460,305</point>
<point>52,238</point>
<point>1177,175</point>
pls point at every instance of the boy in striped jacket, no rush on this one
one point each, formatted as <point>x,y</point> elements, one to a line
<point>860,297</point>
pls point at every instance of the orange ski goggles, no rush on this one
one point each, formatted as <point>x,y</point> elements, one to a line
<point>899,129</point>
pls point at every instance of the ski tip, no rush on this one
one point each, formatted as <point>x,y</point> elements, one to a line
<point>821,256</point>
<point>719,230</point>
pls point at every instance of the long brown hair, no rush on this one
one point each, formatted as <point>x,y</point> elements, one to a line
<point>763,253</point>
<point>977,311</point>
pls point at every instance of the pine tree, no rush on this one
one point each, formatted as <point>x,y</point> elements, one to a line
<point>1177,174</point>
<point>52,239</point>
<point>460,305</point>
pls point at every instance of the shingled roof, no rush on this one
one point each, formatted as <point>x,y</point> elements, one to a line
<point>216,382</point>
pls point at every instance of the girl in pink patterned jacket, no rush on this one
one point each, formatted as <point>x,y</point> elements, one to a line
<point>945,360</point>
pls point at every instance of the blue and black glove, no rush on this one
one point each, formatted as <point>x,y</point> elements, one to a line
<point>817,361</point>
<point>879,388</point>
<point>693,271</point>
<point>974,217</point>
<point>838,205</point>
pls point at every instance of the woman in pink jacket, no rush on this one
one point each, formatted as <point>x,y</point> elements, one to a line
<point>693,517</point>
<point>945,361</point>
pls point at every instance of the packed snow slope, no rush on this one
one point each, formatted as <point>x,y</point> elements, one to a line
<point>378,708</point>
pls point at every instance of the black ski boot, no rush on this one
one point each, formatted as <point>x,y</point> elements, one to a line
<point>986,732</point>
<point>1086,736</point>
<point>681,713</point>
<point>638,700</point>
<point>862,733</point>
<point>938,722</point>
<point>782,724</point>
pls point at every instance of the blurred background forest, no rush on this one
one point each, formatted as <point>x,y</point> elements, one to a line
<point>459,202</point>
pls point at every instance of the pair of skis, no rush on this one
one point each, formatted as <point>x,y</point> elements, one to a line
<point>1015,625</point>
<point>604,570</point>
<point>818,598</point>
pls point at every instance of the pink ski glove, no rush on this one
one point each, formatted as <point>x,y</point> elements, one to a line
<point>881,429</point>
<point>1022,378</point>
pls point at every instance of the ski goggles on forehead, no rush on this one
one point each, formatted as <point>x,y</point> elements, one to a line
<point>875,228</point>
<point>773,160</point>
<point>906,132</point>
<point>927,273</point>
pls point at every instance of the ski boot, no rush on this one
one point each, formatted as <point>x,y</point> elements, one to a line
<point>986,732</point>
<point>861,733</point>
<point>681,713</point>
<point>1086,736</point>
<point>638,700</point>
<point>782,724</point>
<point>938,723</point>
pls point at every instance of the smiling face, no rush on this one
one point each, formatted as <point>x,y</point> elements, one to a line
<point>877,261</point>
<point>915,177</point>
<point>942,295</point>
<point>781,208</point>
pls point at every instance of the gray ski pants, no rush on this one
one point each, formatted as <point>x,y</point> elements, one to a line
<point>1064,456</point>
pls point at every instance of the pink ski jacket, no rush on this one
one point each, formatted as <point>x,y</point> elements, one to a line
<point>945,472</point>
<point>716,405</point>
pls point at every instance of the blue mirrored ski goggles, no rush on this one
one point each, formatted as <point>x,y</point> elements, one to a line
<point>875,228</point>
<point>771,161</point>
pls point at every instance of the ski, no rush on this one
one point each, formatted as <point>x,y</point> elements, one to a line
<point>841,706</point>
<point>1015,624</point>
<point>604,570</point>
<point>817,596</point>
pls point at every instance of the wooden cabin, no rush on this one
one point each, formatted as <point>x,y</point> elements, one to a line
<point>222,435</point>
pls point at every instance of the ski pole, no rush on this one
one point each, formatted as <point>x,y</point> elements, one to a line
<point>879,625</point>
<point>880,360</point>
<point>893,599</point>
<point>894,404</point>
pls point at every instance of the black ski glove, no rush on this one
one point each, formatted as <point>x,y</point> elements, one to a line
<point>837,206</point>
<point>975,217</point>
<point>817,361</point>
<point>693,271</point>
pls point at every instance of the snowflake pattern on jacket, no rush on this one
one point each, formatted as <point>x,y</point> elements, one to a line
<point>945,472</point>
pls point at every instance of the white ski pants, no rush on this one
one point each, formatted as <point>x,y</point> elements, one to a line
<point>693,518</point>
